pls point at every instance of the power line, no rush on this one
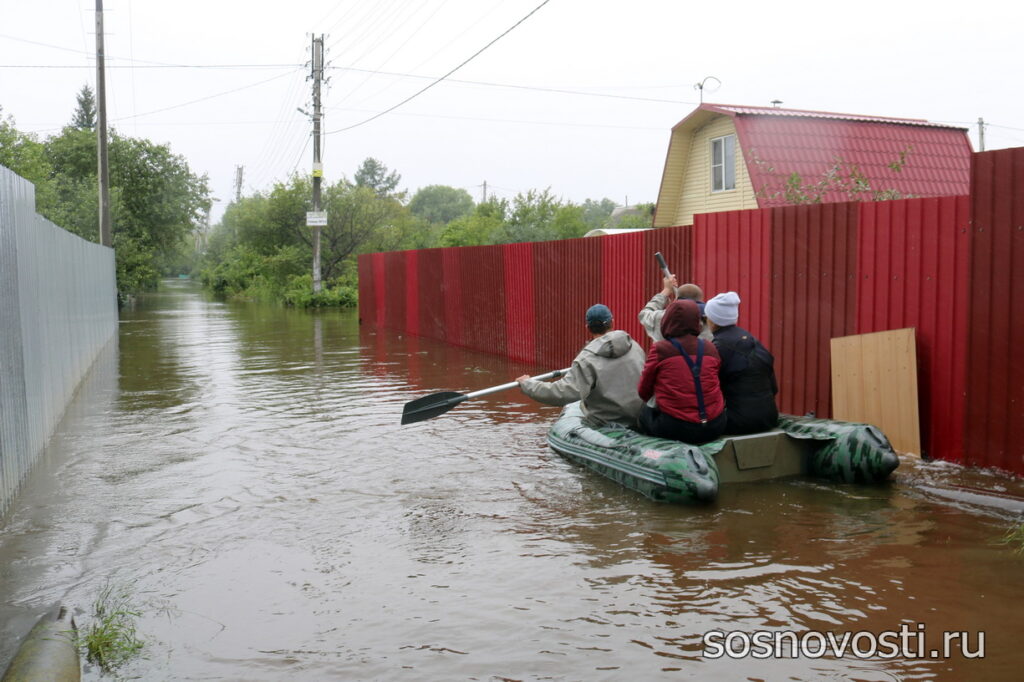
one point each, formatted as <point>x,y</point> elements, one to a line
<point>398,74</point>
<point>563,91</point>
<point>140,63</point>
<point>35,42</point>
<point>469,28</point>
<point>208,97</point>
<point>405,42</point>
<point>185,104</point>
<point>279,132</point>
<point>570,124</point>
<point>301,152</point>
<point>153,66</point>
<point>376,16</point>
<point>332,11</point>
<point>131,51</point>
<point>421,91</point>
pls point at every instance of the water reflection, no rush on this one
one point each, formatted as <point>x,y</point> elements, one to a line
<point>244,469</point>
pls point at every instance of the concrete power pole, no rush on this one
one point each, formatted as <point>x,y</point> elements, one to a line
<point>318,171</point>
<point>101,132</point>
<point>485,192</point>
<point>239,174</point>
<point>981,134</point>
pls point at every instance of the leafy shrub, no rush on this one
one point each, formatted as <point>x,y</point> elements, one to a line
<point>300,294</point>
<point>246,274</point>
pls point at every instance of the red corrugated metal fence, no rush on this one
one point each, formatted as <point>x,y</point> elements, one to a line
<point>814,263</point>
<point>995,361</point>
<point>911,255</point>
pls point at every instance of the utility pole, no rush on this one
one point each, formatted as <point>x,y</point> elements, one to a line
<point>101,132</point>
<point>981,134</point>
<point>485,193</point>
<point>318,169</point>
<point>239,174</point>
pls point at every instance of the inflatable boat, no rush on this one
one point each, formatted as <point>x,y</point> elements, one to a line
<point>670,471</point>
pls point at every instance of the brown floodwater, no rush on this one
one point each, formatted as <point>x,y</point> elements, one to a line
<point>242,471</point>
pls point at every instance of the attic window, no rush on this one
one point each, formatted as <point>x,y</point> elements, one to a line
<point>723,163</point>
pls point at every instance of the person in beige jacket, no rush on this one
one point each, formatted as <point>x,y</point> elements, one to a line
<point>651,314</point>
<point>604,375</point>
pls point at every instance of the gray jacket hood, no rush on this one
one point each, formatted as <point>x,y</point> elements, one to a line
<point>614,344</point>
<point>604,376</point>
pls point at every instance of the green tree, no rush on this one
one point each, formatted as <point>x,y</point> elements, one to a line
<point>156,201</point>
<point>161,199</point>
<point>263,248</point>
<point>77,205</point>
<point>356,215</point>
<point>268,222</point>
<point>289,204</point>
<point>642,218</point>
<point>441,204</point>
<point>72,156</point>
<point>84,117</point>
<point>374,175</point>
<point>26,156</point>
<point>569,222</point>
<point>531,218</point>
<point>404,231</point>
<point>483,226</point>
<point>597,213</point>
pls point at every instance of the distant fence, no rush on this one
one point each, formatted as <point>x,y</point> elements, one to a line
<point>58,309</point>
<point>952,267</point>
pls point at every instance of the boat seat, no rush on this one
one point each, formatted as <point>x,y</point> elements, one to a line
<point>762,456</point>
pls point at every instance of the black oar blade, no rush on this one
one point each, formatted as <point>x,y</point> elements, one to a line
<point>430,406</point>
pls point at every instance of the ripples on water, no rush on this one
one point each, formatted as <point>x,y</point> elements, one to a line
<point>243,468</point>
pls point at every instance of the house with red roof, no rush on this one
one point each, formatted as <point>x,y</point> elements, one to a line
<point>723,157</point>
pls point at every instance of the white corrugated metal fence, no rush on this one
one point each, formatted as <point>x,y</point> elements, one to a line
<point>58,309</point>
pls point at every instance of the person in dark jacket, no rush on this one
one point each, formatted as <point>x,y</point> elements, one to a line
<point>747,372</point>
<point>682,374</point>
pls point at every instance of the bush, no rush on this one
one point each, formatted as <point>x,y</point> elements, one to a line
<point>300,294</point>
<point>246,274</point>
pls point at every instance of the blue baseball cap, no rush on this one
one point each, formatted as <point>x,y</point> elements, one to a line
<point>598,313</point>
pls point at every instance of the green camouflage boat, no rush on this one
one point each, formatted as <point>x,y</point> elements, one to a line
<point>670,471</point>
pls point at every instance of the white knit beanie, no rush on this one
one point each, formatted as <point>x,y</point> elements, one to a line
<point>723,309</point>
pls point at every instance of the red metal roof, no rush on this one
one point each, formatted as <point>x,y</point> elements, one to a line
<point>938,158</point>
<point>808,113</point>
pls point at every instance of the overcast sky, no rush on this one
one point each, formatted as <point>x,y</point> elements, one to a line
<point>580,97</point>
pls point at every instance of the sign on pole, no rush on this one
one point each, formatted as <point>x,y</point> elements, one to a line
<point>316,218</point>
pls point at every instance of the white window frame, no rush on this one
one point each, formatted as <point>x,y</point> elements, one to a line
<point>723,171</point>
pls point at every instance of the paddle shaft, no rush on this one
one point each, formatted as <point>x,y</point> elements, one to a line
<point>662,263</point>
<point>512,384</point>
<point>437,404</point>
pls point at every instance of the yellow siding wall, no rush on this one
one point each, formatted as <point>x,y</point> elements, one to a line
<point>697,196</point>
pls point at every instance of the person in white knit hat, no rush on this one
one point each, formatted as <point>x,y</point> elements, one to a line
<point>747,372</point>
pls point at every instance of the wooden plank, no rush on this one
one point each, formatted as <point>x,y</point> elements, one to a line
<point>874,380</point>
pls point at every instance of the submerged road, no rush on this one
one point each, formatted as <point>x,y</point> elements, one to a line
<point>242,471</point>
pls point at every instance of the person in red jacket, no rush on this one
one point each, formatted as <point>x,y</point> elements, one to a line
<point>682,374</point>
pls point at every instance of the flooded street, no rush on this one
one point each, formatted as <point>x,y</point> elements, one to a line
<point>242,470</point>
